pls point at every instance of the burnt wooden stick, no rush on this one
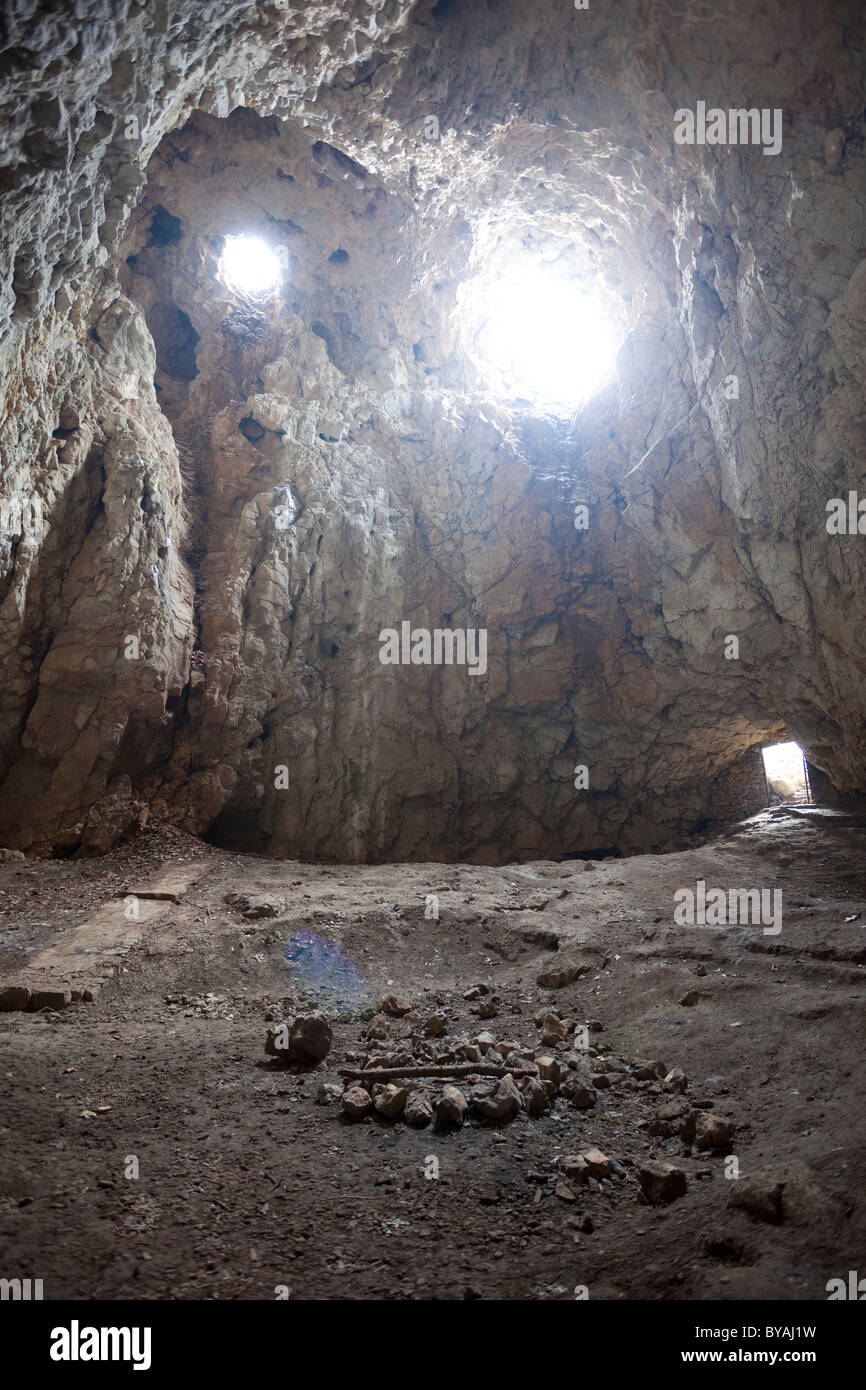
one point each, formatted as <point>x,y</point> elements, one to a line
<point>448,1069</point>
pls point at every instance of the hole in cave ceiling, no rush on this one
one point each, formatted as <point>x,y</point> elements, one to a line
<point>249,265</point>
<point>539,331</point>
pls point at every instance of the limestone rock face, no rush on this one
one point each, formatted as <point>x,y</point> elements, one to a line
<point>213,504</point>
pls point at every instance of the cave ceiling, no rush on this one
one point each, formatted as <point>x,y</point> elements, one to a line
<point>225,499</point>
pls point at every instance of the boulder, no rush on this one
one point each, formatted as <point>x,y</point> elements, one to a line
<point>498,1101</point>
<point>310,1037</point>
<point>451,1108</point>
<point>548,1069</point>
<point>418,1111</point>
<point>390,1099</point>
<point>14,997</point>
<point>535,1097</point>
<point>394,1004</point>
<point>357,1102</point>
<point>579,1092</point>
<point>49,999</point>
<point>597,1163</point>
<point>661,1183</point>
<point>711,1131</point>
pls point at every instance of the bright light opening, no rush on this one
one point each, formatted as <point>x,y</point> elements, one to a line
<point>248,264</point>
<point>785,769</point>
<point>543,335</point>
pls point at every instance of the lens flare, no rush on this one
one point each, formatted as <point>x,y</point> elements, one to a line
<point>328,977</point>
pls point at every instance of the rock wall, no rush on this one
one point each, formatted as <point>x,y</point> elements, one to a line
<point>740,791</point>
<point>237,497</point>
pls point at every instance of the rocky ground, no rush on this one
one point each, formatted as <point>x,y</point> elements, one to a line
<point>151,1148</point>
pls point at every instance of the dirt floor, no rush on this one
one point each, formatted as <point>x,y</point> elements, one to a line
<point>246,1186</point>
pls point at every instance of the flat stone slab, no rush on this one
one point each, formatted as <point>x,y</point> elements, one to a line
<point>76,966</point>
<point>826,815</point>
<point>111,931</point>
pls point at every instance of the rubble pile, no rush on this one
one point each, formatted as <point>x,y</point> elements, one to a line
<point>416,1068</point>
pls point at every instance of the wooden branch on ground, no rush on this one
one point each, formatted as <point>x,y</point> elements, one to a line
<point>448,1069</point>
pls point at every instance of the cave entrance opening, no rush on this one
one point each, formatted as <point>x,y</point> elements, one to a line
<point>786,773</point>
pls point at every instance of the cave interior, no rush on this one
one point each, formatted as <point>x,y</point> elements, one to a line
<point>432,444</point>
